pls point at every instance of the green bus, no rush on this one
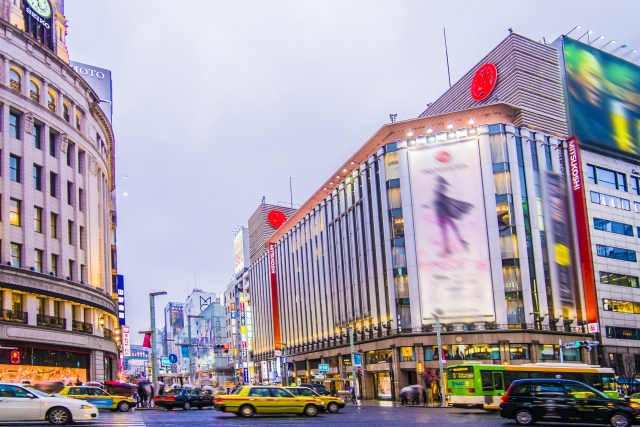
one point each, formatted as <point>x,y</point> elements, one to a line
<point>478,385</point>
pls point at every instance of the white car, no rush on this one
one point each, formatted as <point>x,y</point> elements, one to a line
<point>26,404</point>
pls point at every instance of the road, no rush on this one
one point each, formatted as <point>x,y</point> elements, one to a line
<point>365,416</point>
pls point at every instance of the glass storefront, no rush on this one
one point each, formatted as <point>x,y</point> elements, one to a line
<point>39,364</point>
<point>407,354</point>
<point>383,385</point>
<point>464,352</point>
<point>378,356</point>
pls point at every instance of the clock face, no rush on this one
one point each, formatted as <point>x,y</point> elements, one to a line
<point>41,7</point>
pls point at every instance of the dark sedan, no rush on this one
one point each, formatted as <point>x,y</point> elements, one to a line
<point>564,401</point>
<point>183,398</point>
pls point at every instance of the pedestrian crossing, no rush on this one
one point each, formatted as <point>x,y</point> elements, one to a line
<point>117,419</point>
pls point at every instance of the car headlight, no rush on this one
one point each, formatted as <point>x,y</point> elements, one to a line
<point>635,405</point>
<point>86,407</point>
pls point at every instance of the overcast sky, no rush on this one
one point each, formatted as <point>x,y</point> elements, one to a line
<point>217,104</point>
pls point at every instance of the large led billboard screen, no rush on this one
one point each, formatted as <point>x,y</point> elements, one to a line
<point>451,232</point>
<point>603,96</point>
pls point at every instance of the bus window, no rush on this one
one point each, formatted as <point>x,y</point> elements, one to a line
<point>593,380</point>
<point>544,374</point>
<point>497,381</point>
<point>574,377</point>
<point>510,377</point>
<point>487,382</point>
<point>608,382</point>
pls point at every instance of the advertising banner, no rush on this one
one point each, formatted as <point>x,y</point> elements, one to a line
<point>100,81</point>
<point>603,86</point>
<point>582,230</point>
<point>121,305</point>
<point>451,232</point>
<point>126,345</point>
<point>558,235</point>
<point>241,250</point>
<point>274,295</point>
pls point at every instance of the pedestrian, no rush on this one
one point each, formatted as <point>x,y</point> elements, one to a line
<point>424,396</point>
<point>353,396</point>
<point>403,398</point>
<point>415,400</point>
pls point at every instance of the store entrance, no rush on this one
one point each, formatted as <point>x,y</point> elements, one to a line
<point>383,385</point>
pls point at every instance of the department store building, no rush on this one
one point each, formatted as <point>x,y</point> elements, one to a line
<point>58,269</point>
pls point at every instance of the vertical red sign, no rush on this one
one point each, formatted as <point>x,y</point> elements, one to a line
<point>582,228</point>
<point>274,295</point>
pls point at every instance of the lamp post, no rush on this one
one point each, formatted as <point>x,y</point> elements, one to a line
<point>189,317</point>
<point>285,374</point>
<point>437,315</point>
<point>152,309</point>
<point>353,359</point>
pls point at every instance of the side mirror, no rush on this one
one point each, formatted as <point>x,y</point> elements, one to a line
<point>31,396</point>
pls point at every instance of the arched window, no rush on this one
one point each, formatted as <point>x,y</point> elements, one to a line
<point>78,120</point>
<point>65,112</point>
<point>51,101</point>
<point>14,80</point>
<point>34,91</point>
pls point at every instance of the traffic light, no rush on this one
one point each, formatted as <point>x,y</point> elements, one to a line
<point>15,357</point>
<point>225,347</point>
<point>582,344</point>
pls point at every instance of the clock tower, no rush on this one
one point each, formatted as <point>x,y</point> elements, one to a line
<point>43,20</point>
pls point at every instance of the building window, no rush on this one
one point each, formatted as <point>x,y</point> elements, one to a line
<point>16,255</point>
<point>635,187</point>
<point>15,81</point>
<point>612,227</point>
<point>14,209</point>
<point>618,279</point>
<point>82,274</point>
<point>54,225</point>
<point>82,238</point>
<point>34,91</point>
<point>70,232</point>
<point>16,302</point>
<point>53,184</point>
<point>407,354</point>
<point>611,201</point>
<point>69,193</point>
<point>37,135</point>
<point>54,264</point>
<point>14,168</point>
<point>71,268</point>
<point>606,178</point>
<point>51,101</point>
<point>14,125</point>
<point>65,112</point>
<point>616,253</point>
<point>79,120</point>
<point>519,351</point>
<point>37,219</point>
<point>70,155</point>
<point>81,201</point>
<point>52,144</point>
<point>37,177</point>
<point>81,162</point>
<point>38,260</point>
<point>41,303</point>
<point>621,333</point>
<point>618,306</point>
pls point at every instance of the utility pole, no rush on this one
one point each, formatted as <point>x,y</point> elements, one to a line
<point>353,361</point>
<point>154,362</point>
<point>189,317</point>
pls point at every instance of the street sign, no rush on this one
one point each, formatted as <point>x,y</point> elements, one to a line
<point>165,361</point>
<point>593,328</point>
<point>278,353</point>
<point>173,358</point>
<point>344,369</point>
<point>579,344</point>
<point>319,376</point>
<point>357,360</point>
<point>323,367</point>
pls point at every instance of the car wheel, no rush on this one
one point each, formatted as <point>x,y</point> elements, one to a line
<point>620,420</point>
<point>525,418</point>
<point>311,410</point>
<point>333,407</point>
<point>58,416</point>
<point>247,411</point>
<point>123,407</point>
<point>186,406</point>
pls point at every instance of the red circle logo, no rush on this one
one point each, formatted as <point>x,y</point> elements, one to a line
<point>443,156</point>
<point>484,81</point>
<point>276,218</point>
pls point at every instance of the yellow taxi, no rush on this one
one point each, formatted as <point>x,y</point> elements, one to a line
<point>635,398</point>
<point>99,398</point>
<point>331,403</point>
<point>249,400</point>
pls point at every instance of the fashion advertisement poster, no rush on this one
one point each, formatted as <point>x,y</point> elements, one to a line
<point>451,232</point>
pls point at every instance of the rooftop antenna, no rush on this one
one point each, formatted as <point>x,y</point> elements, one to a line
<point>195,280</point>
<point>446,52</point>
<point>393,117</point>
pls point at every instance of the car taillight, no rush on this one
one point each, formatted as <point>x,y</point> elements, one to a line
<point>505,398</point>
<point>450,390</point>
<point>219,400</point>
<point>472,390</point>
<point>169,398</point>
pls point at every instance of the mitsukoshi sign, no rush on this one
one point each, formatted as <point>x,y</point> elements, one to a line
<point>451,232</point>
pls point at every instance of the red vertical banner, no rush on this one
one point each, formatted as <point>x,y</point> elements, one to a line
<point>146,341</point>
<point>582,228</point>
<point>274,295</point>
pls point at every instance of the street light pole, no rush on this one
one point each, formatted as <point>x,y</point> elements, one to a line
<point>154,362</point>
<point>189,317</point>
<point>440,364</point>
